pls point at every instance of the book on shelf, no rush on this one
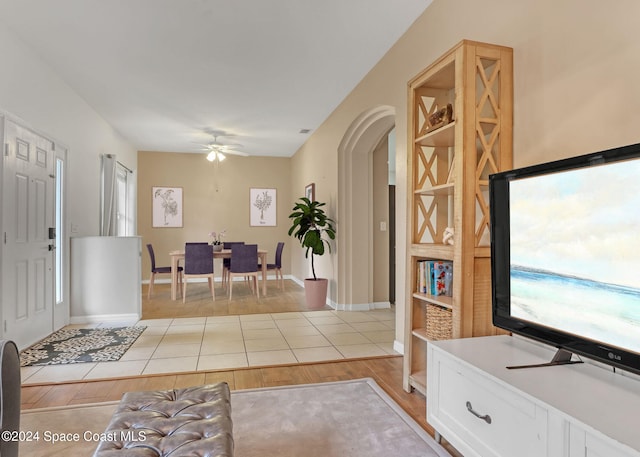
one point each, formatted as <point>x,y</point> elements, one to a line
<point>435,277</point>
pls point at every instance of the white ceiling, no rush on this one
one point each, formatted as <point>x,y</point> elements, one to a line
<point>165,72</point>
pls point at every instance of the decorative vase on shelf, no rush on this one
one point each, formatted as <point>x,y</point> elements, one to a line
<point>217,247</point>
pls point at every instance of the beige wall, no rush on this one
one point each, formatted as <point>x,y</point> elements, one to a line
<point>575,71</point>
<point>316,162</point>
<point>216,197</point>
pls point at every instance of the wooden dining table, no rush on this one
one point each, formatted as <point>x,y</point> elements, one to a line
<point>178,256</point>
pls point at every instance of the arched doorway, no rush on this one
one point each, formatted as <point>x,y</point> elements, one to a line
<point>355,207</point>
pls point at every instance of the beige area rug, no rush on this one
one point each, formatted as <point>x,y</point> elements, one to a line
<point>339,419</point>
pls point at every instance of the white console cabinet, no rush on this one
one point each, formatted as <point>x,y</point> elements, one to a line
<point>486,410</point>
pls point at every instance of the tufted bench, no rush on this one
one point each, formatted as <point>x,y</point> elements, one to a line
<point>195,421</point>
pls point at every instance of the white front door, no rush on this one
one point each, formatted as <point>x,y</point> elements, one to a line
<point>28,203</point>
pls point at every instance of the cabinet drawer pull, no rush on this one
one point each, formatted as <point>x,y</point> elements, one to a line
<point>484,417</point>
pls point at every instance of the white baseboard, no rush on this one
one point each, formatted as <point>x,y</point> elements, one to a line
<point>351,306</point>
<point>398,346</point>
<point>360,306</point>
<point>125,319</point>
<point>296,280</point>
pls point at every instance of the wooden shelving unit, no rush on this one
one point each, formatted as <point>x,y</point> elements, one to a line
<point>449,170</point>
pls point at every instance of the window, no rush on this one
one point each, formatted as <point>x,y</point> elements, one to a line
<point>125,194</point>
<point>59,224</point>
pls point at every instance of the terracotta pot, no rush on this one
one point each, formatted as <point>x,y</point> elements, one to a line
<point>315,292</point>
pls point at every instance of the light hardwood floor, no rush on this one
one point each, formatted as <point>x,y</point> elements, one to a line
<point>386,371</point>
<point>199,303</point>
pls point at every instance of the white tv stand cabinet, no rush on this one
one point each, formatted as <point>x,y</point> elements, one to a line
<point>486,410</point>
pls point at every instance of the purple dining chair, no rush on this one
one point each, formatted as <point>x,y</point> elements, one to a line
<point>277,266</point>
<point>227,262</point>
<point>198,263</point>
<point>159,270</point>
<point>244,262</point>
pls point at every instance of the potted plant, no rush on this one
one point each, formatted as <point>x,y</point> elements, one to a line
<point>217,240</point>
<point>311,226</point>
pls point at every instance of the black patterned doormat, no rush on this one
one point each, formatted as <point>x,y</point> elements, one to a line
<point>81,345</point>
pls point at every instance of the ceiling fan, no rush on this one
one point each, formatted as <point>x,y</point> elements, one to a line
<point>218,151</point>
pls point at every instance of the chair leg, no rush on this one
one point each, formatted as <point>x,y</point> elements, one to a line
<point>255,280</point>
<point>184,291</point>
<point>180,279</point>
<point>150,291</point>
<point>230,285</point>
<point>212,288</point>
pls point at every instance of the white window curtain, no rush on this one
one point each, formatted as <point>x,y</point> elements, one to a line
<point>108,201</point>
<point>125,206</point>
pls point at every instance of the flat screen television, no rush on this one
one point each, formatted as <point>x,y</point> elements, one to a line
<point>565,255</point>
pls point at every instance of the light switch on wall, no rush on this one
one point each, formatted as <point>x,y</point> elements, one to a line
<point>383,226</point>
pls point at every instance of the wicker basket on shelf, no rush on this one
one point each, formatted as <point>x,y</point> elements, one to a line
<point>439,322</point>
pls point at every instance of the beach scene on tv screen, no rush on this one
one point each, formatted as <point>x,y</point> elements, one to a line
<point>575,252</point>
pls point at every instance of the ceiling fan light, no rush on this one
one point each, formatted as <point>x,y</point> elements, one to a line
<point>221,156</point>
<point>211,156</point>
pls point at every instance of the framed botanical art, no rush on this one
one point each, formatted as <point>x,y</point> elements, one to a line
<point>310,191</point>
<point>167,206</point>
<point>262,207</point>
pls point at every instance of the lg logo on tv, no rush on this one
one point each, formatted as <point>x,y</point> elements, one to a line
<point>613,356</point>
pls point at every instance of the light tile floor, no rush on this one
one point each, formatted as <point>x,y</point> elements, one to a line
<point>226,342</point>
